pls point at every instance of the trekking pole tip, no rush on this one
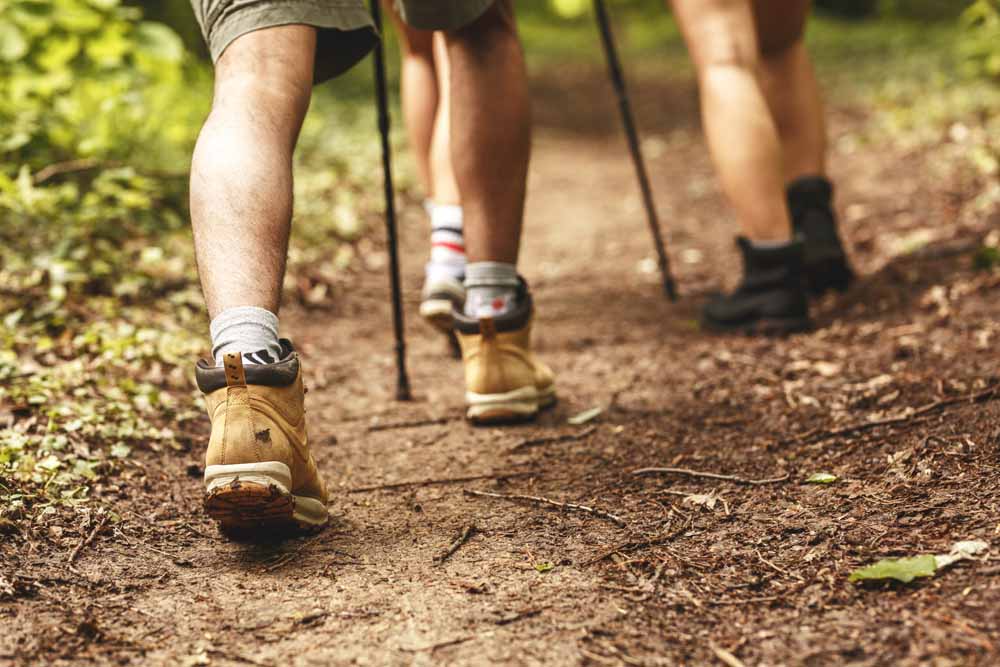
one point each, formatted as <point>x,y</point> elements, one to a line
<point>670,289</point>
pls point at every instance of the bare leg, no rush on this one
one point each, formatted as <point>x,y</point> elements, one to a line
<point>241,173</point>
<point>491,124</point>
<point>790,86</point>
<point>741,133</point>
<point>443,173</point>
<point>420,93</point>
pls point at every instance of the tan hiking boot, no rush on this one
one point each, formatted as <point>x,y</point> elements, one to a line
<point>503,380</point>
<point>258,469</point>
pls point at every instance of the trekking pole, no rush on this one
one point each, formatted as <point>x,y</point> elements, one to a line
<point>382,101</point>
<point>618,80</point>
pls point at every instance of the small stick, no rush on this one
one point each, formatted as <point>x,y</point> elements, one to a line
<point>726,657</point>
<point>409,424</point>
<point>539,500</point>
<point>87,540</point>
<point>434,647</point>
<point>463,537</point>
<point>551,440</point>
<point>820,435</point>
<point>530,613</point>
<point>444,480</point>
<point>635,546</point>
<point>709,475</point>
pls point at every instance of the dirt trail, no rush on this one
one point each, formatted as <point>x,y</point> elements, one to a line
<point>756,570</point>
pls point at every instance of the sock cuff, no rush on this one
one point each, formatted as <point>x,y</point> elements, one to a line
<point>491,274</point>
<point>242,315</point>
<point>446,215</point>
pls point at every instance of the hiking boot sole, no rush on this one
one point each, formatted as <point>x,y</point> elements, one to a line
<point>437,313</point>
<point>255,496</point>
<point>514,406</point>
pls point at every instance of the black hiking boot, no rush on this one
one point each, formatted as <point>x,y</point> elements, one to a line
<point>770,300</point>
<point>826,266</point>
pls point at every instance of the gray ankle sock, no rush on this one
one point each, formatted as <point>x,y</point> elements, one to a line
<point>250,330</point>
<point>491,289</point>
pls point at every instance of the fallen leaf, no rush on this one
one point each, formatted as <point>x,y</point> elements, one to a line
<point>900,569</point>
<point>544,567</point>
<point>585,416</point>
<point>706,500</point>
<point>908,569</point>
<point>961,551</point>
<point>822,478</point>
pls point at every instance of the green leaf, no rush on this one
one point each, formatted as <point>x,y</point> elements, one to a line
<point>900,569</point>
<point>50,462</point>
<point>585,416</point>
<point>158,41</point>
<point>544,567</point>
<point>13,45</point>
<point>120,450</point>
<point>822,478</point>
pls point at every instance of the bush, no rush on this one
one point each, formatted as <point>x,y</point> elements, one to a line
<point>980,45</point>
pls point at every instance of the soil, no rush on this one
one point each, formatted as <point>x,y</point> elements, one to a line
<point>893,394</point>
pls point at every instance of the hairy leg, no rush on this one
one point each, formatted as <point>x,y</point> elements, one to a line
<point>420,93</point>
<point>741,133</point>
<point>241,172</point>
<point>442,171</point>
<point>790,86</point>
<point>490,132</point>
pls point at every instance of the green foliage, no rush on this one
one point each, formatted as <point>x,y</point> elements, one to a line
<point>101,315</point>
<point>980,45</point>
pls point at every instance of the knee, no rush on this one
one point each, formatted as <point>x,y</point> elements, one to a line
<point>270,74</point>
<point>726,51</point>
<point>281,100</point>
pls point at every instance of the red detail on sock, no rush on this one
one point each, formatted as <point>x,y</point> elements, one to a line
<point>499,303</point>
<point>449,246</point>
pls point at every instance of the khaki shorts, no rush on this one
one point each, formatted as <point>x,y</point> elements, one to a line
<point>346,33</point>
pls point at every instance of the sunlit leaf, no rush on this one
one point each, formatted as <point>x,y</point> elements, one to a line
<point>900,569</point>
<point>585,416</point>
<point>821,478</point>
<point>13,44</point>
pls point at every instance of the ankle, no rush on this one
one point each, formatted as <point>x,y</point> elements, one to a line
<point>250,330</point>
<point>491,289</point>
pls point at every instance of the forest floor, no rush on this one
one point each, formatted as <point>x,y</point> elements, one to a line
<point>894,394</point>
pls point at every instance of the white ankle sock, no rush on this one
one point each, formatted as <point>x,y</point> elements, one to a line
<point>250,330</point>
<point>447,241</point>
<point>491,289</point>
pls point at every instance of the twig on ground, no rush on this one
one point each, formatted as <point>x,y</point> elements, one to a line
<point>443,480</point>
<point>818,435</point>
<point>709,475</point>
<point>410,424</point>
<point>434,647</point>
<point>770,598</point>
<point>551,440</point>
<point>88,539</point>
<point>774,567</point>
<point>462,538</point>
<point>635,546</point>
<point>529,613</point>
<point>726,657</point>
<point>539,500</point>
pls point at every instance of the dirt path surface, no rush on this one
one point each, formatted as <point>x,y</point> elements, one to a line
<point>893,394</point>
